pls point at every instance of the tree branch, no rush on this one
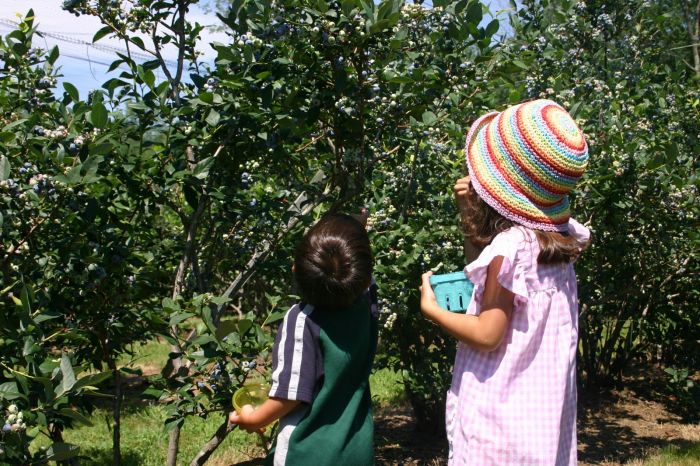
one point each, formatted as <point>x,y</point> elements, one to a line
<point>208,448</point>
<point>695,37</point>
<point>267,246</point>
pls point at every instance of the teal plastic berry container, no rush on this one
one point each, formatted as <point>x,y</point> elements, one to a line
<point>452,290</point>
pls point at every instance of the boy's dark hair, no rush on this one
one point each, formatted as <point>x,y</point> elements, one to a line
<point>333,262</point>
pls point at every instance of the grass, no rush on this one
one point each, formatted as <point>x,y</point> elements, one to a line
<point>673,455</point>
<point>387,388</point>
<point>150,356</point>
<point>144,441</point>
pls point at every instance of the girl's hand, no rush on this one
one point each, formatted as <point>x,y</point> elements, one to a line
<point>362,216</point>
<point>428,302</point>
<point>461,190</point>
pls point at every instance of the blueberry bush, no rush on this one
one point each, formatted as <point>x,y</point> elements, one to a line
<point>626,71</point>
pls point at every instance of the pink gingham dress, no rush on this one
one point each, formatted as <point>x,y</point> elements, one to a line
<point>516,405</point>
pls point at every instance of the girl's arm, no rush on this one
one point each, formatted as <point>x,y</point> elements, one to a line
<point>484,331</point>
<point>254,419</point>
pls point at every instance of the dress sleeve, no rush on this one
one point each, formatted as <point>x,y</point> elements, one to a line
<point>578,231</point>
<point>511,276</point>
<point>296,356</point>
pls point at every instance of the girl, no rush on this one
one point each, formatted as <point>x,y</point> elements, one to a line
<point>513,394</point>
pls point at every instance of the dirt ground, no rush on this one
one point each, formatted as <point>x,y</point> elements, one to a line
<point>615,427</point>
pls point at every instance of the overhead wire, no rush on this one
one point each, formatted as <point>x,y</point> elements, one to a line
<point>66,38</point>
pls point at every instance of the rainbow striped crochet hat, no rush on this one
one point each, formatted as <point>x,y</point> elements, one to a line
<point>524,161</point>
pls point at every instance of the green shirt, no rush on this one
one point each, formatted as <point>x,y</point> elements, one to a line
<point>324,359</point>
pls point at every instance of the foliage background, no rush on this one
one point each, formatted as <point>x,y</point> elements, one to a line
<point>171,208</point>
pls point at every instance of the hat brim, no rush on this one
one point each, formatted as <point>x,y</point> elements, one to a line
<point>499,192</point>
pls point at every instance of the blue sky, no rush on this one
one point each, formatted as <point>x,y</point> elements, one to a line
<point>84,64</point>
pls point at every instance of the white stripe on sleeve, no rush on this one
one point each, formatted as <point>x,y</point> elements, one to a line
<point>298,348</point>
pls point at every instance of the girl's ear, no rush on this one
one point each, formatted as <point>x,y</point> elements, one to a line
<point>294,268</point>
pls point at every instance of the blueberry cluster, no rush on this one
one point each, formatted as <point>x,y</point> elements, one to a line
<point>246,180</point>
<point>210,84</point>
<point>42,185</point>
<point>14,420</point>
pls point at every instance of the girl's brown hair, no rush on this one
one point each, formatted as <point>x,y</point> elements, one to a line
<point>481,223</point>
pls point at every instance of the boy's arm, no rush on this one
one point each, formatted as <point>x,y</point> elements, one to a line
<point>253,420</point>
<point>484,331</point>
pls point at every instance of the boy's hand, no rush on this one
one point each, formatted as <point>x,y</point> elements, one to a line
<point>243,420</point>
<point>428,302</point>
<point>461,190</point>
<point>257,419</point>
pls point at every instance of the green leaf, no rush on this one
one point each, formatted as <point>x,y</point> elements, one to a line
<point>171,424</point>
<point>44,316</point>
<point>9,391</point>
<point>88,169</point>
<point>201,170</point>
<point>492,28</point>
<point>219,300</point>
<point>474,12</point>
<point>72,91</point>
<point>275,316</point>
<point>53,55</point>
<point>208,320</point>
<point>226,327</point>
<point>429,118</point>
<point>76,416</point>
<point>138,42</point>
<point>180,317</point>
<point>30,347</point>
<point>68,380</point>
<point>152,392</point>
<point>62,451</point>
<point>244,325</point>
<point>26,302</point>
<point>15,123</point>
<point>98,115</point>
<point>170,305</point>
<point>4,168</point>
<point>203,340</point>
<point>213,117</point>
<point>101,33</point>
<point>92,380</point>
<point>149,78</point>
<point>6,137</point>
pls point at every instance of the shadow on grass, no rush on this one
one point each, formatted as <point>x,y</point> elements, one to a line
<point>603,437</point>
<point>102,456</point>
<point>398,441</point>
<point>133,386</point>
<point>651,383</point>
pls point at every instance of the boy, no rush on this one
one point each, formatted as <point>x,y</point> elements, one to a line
<point>323,353</point>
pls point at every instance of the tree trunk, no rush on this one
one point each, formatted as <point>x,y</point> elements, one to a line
<point>176,363</point>
<point>213,443</point>
<point>116,425</point>
<point>695,37</point>
<point>173,446</point>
